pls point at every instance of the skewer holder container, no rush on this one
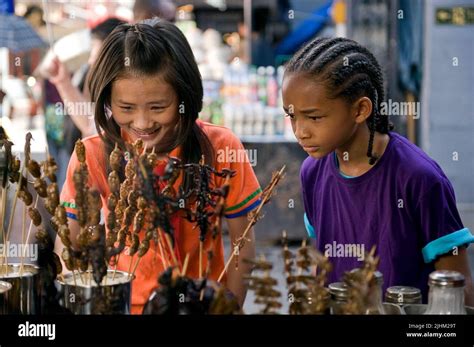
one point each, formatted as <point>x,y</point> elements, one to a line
<point>81,295</point>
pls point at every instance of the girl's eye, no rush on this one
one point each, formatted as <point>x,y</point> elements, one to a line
<point>157,108</point>
<point>125,108</point>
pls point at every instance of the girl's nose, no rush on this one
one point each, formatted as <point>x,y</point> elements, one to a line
<point>142,121</point>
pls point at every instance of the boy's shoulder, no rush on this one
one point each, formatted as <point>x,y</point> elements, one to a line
<point>413,161</point>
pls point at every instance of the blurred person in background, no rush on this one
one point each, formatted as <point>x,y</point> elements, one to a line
<point>62,132</point>
<point>146,9</point>
<point>262,49</point>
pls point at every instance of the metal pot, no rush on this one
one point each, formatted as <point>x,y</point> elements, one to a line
<point>24,297</point>
<point>4,288</point>
<point>80,294</point>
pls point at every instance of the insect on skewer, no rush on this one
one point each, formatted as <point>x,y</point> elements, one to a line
<point>267,193</point>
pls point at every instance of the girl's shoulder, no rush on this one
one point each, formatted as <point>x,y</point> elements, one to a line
<point>219,136</point>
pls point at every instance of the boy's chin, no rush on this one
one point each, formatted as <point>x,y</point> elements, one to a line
<point>317,154</point>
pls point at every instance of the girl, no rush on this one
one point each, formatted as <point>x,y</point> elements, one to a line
<point>364,185</point>
<point>146,85</point>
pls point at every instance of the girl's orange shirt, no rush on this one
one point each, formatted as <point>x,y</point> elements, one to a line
<point>244,196</point>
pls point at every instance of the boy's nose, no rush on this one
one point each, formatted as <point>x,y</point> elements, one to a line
<point>301,131</point>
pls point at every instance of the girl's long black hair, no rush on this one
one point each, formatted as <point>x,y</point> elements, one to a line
<point>146,49</point>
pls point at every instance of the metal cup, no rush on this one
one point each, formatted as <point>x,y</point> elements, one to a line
<point>4,288</point>
<point>80,294</point>
<point>24,297</point>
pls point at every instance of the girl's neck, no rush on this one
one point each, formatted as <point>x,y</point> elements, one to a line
<point>352,156</point>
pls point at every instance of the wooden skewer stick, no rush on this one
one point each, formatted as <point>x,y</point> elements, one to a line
<point>130,265</point>
<point>25,242</point>
<point>23,232</point>
<point>10,224</point>
<point>170,246</point>
<point>115,267</point>
<point>200,259</point>
<point>164,261</point>
<point>185,265</point>
<point>135,267</point>
<point>266,197</point>
<point>74,277</point>
<point>4,206</point>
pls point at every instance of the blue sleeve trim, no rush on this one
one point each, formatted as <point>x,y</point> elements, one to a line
<point>446,244</point>
<point>245,210</point>
<point>309,227</point>
<point>71,215</point>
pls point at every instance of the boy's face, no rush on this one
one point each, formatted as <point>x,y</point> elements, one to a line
<point>319,123</point>
<point>145,108</point>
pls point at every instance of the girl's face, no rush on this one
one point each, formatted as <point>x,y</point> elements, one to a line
<point>145,108</point>
<point>320,124</point>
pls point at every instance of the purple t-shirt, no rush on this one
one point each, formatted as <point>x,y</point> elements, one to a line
<point>404,205</point>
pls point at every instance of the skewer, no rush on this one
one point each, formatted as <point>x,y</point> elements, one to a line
<point>200,259</point>
<point>2,226</point>
<point>168,240</point>
<point>115,267</point>
<point>130,265</point>
<point>185,265</point>
<point>163,258</point>
<point>265,199</point>
<point>10,224</point>
<point>135,268</point>
<point>23,232</point>
<point>29,231</point>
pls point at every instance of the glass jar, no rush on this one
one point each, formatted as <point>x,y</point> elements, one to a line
<point>402,295</point>
<point>338,291</point>
<point>375,305</point>
<point>446,295</point>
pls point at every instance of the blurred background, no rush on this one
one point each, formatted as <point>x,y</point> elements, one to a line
<point>426,49</point>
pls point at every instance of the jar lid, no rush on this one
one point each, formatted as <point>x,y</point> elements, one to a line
<point>338,290</point>
<point>446,278</point>
<point>378,276</point>
<point>4,287</point>
<point>403,294</point>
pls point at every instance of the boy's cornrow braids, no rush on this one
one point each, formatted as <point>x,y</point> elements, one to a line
<point>361,76</point>
<point>295,63</point>
<point>372,127</point>
<point>313,62</point>
<point>332,54</point>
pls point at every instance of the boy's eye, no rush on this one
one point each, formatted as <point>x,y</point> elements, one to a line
<point>291,116</point>
<point>315,118</point>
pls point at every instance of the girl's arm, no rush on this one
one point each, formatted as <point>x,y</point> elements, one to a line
<point>58,245</point>
<point>235,278</point>
<point>460,263</point>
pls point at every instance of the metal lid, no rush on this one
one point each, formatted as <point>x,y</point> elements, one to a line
<point>338,290</point>
<point>4,287</point>
<point>378,276</point>
<point>446,278</point>
<point>403,294</point>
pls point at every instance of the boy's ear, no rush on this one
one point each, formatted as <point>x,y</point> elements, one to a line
<point>362,109</point>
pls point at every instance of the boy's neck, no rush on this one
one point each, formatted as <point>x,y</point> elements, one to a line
<point>353,159</point>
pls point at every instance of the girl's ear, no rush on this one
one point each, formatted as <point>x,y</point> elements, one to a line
<point>362,109</point>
